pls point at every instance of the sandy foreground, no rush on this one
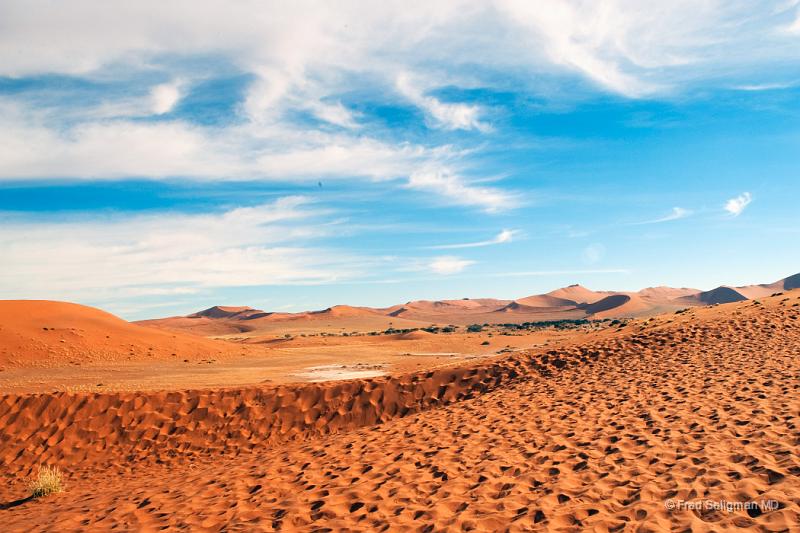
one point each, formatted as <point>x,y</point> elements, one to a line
<point>674,423</point>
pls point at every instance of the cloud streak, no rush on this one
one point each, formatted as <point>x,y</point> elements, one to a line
<point>677,213</point>
<point>505,236</point>
<point>450,116</point>
<point>446,183</point>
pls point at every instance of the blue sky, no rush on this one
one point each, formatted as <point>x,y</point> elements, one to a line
<point>155,160</point>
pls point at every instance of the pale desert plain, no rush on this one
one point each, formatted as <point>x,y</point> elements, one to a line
<point>660,410</point>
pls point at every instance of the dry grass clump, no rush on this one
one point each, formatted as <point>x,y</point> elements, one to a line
<point>49,481</point>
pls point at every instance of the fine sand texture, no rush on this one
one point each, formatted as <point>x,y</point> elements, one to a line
<point>596,435</point>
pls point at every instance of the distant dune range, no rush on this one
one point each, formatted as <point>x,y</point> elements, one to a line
<point>36,333</point>
<point>568,303</point>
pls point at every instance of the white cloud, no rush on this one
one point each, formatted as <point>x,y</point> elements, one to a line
<point>445,115</point>
<point>447,265</point>
<point>677,213</point>
<point>165,96</point>
<point>123,256</point>
<point>736,205</point>
<point>445,182</point>
<point>505,236</point>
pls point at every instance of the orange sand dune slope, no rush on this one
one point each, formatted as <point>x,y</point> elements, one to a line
<point>39,332</point>
<point>598,436</point>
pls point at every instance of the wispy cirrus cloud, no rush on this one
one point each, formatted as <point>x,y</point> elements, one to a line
<point>776,86</point>
<point>677,213</point>
<point>459,191</point>
<point>451,116</point>
<point>505,236</point>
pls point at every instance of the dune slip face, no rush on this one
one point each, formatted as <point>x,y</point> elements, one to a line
<point>692,407</point>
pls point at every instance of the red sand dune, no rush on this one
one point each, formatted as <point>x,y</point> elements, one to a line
<point>609,303</point>
<point>518,308</point>
<point>578,294</point>
<point>628,305</point>
<point>441,311</point>
<point>665,293</point>
<point>720,295</point>
<point>38,332</point>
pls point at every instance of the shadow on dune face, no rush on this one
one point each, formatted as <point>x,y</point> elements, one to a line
<point>792,282</point>
<point>607,303</point>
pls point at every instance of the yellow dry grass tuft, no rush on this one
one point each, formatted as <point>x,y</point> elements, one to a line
<point>49,481</point>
